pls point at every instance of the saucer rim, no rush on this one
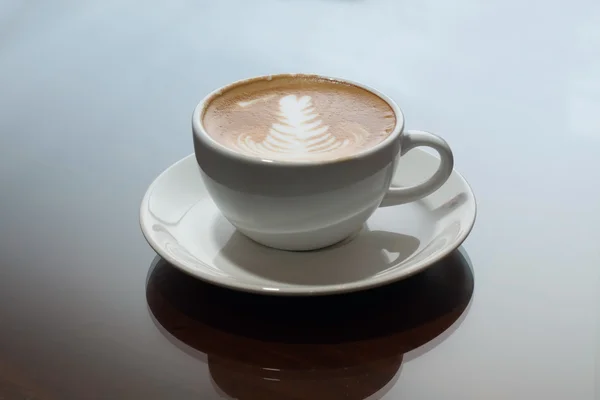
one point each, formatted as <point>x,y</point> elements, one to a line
<point>302,290</point>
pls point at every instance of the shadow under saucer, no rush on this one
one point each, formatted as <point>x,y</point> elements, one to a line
<point>347,346</point>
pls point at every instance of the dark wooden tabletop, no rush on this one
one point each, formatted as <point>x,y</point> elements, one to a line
<point>95,101</point>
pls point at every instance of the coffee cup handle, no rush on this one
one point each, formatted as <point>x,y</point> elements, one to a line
<point>410,140</point>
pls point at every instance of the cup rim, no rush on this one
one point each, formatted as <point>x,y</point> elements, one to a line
<point>201,134</point>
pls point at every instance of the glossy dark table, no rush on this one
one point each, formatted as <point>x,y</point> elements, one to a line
<point>95,101</point>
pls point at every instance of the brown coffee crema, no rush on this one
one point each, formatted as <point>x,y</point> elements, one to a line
<point>298,117</point>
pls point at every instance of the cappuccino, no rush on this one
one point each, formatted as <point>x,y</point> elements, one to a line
<point>297,117</point>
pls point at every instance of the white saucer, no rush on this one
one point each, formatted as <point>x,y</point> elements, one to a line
<point>181,222</point>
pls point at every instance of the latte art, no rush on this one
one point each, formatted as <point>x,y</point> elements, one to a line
<point>299,131</point>
<point>295,118</point>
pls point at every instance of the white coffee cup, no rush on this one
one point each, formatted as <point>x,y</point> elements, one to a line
<point>307,205</point>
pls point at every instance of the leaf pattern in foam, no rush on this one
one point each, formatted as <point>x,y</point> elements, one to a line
<point>298,131</point>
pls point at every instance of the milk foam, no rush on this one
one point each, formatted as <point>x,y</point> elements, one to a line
<point>298,131</point>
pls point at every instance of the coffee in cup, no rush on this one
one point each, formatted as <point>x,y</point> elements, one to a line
<point>298,118</point>
<point>300,162</point>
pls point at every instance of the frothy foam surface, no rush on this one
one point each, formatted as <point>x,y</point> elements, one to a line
<point>298,118</point>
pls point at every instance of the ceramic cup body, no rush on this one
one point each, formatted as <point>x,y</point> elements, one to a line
<point>307,205</point>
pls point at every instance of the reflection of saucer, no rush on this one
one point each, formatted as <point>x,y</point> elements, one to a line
<point>180,221</point>
<point>325,347</point>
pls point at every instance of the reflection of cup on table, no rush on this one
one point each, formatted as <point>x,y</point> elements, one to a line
<point>368,381</point>
<point>277,346</point>
<point>300,162</point>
